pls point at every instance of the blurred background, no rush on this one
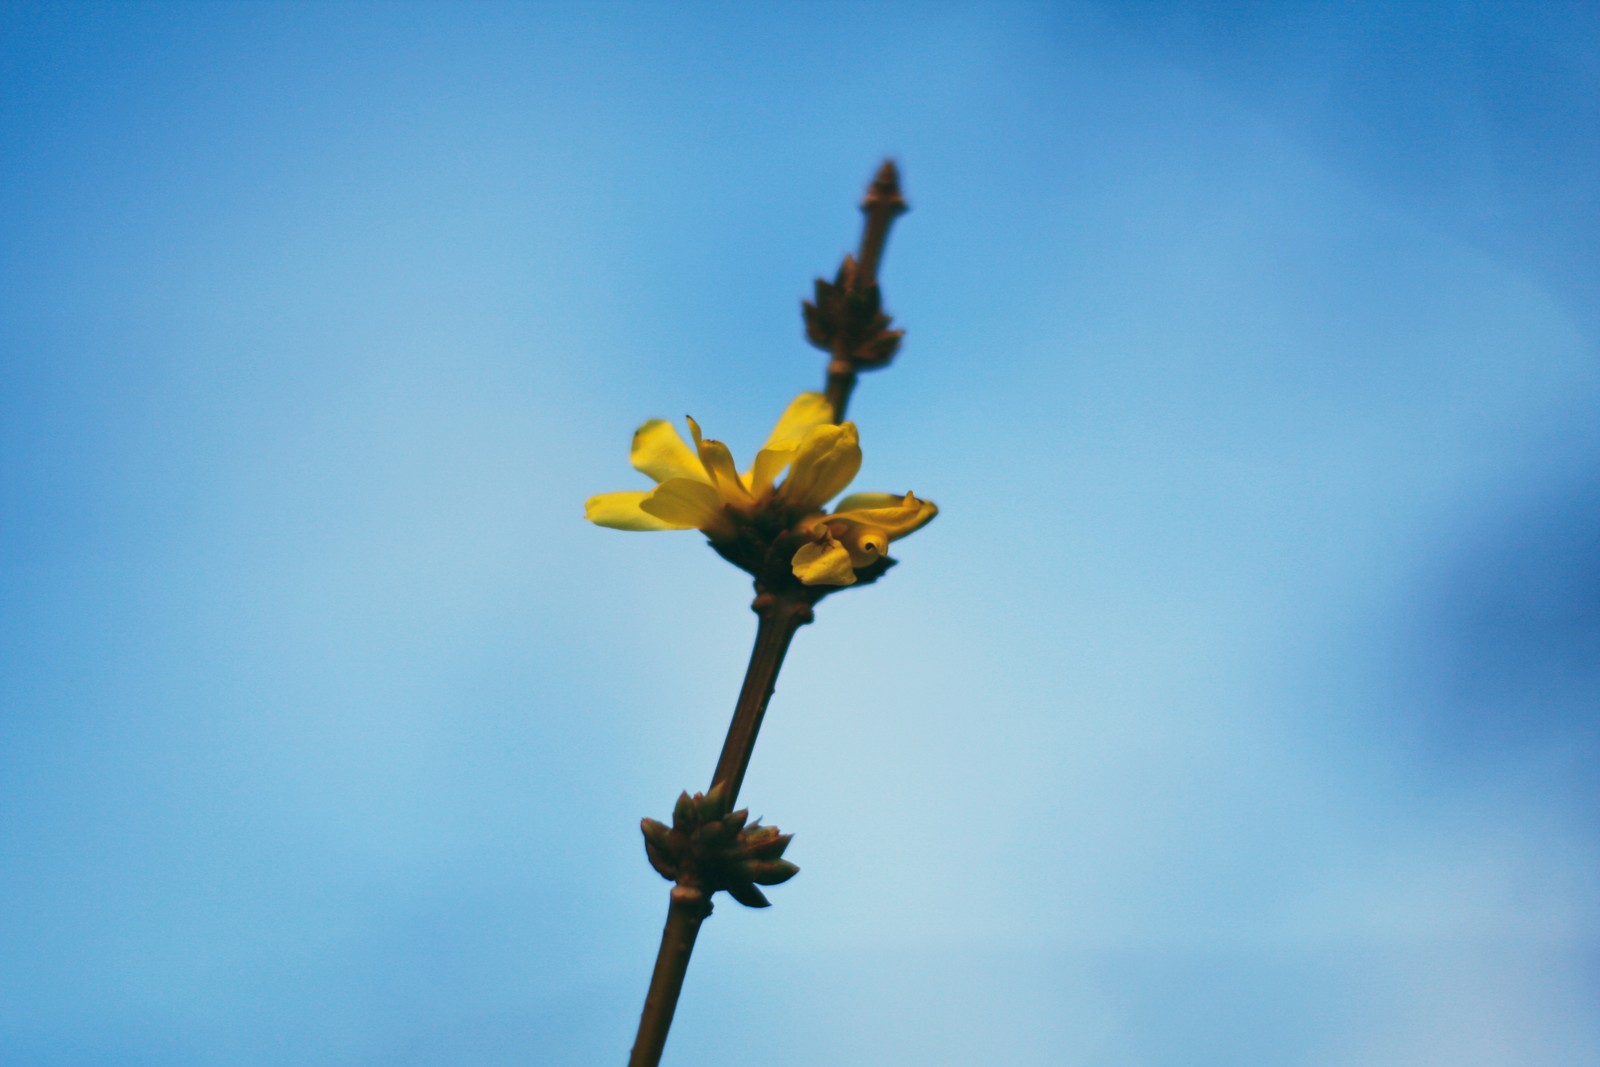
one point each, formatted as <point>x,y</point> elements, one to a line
<point>1241,707</point>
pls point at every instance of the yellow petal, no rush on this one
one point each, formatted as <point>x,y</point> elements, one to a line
<point>769,464</point>
<point>718,462</point>
<point>806,411</point>
<point>824,562</point>
<point>869,500</point>
<point>620,511</point>
<point>659,452</point>
<point>827,459</point>
<point>866,544</point>
<point>684,502</point>
<point>895,516</point>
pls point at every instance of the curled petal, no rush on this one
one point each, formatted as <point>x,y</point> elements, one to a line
<point>659,452</point>
<point>824,562</point>
<point>866,544</point>
<point>826,461</point>
<point>894,515</point>
<point>684,502</point>
<point>622,511</point>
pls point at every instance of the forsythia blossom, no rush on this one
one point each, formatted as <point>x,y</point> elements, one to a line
<point>700,488</point>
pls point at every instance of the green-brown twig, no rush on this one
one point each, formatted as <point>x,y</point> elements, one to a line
<point>779,619</point>
<point>685,913</point>
<point>882,205</point>
<point>847,322</point>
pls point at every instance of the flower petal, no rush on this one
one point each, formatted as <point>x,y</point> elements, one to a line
<point>806,411</point>
<point>827,459</point>
<point>684,502</point>
<point>769,464</point>
<point>718,462</point>
<point>895,516</point>
<point>620,511</point>
<point>866,544</point>
<point>824,562</point>
<point>868,500</point>
<point>659,452</point>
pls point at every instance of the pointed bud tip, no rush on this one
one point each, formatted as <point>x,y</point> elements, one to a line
<point>748,895</point>
<point>884,192</point>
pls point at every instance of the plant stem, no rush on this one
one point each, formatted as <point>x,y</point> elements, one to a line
<point>882,205</point>
<point>687,911</point>
<point>841,383</point>
<point>779,618</point>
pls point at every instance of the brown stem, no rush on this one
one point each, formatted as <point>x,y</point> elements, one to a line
<point>882,205</point>
<point>841,383</point>
<point>687,911</point>
<point>779,618</point>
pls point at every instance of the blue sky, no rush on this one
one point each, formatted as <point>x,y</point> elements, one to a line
<point>1240,707</point>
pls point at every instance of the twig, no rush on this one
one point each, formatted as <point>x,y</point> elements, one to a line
<point>852,329</point>
<point>780,618</point>
<point>882,205</point>
<point>688,909</point>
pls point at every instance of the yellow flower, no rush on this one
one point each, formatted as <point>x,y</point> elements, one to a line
<point>857,535</point>
<point>700,488</point>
